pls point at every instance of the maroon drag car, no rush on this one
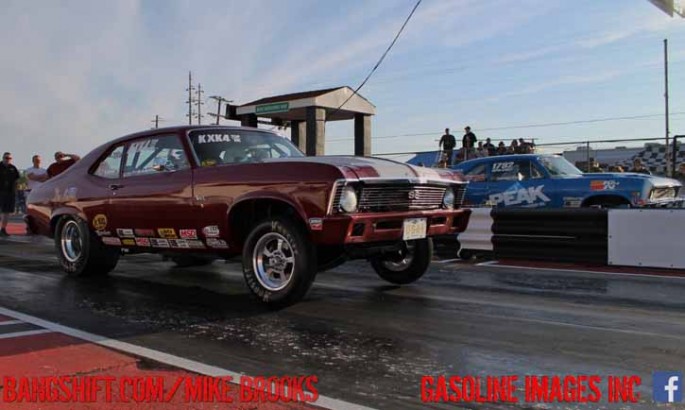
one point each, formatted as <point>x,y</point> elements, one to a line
<point>198,191</point>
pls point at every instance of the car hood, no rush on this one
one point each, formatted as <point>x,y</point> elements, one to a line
<point>654,180</point>
<point>377,168</point>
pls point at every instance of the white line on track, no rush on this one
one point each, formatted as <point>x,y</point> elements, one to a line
<point>494,264</point>
<point>26,333</point>
<point>169,359</point>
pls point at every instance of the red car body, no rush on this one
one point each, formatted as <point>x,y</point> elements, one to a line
<point>210,206</point>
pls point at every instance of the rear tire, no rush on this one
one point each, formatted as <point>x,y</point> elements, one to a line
<point>279,263</point>
<point>408,266</point>
<point>80,252</point>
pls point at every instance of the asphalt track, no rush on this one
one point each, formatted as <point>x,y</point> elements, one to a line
<point>369,342</point>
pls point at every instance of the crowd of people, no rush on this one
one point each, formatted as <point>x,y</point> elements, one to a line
<point>15,185</point>
<point>472,148</point>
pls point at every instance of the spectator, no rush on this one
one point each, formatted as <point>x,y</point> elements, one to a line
<point>481,151</point>
<point>35,175</point>
<point>594,166</point>
<point>489,147</point>
<point>514,147</point>
<point>8,189</point>
<point>639,167</point>
<point>615,168</point>
<point>447,143</point>
<point>468,142</point>
<point>62,163</point>
<point>501,148</point>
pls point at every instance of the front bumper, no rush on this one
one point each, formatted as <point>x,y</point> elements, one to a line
<point>666,203</point>
<point>386,226</point>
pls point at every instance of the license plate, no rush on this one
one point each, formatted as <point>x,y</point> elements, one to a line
<point>414,228</point>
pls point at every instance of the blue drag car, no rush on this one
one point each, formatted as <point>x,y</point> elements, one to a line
<point>550,181</point>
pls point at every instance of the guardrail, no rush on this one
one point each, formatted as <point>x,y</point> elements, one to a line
<point>624,237</point>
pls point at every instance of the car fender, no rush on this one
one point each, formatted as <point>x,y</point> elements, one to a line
<point>65,211</point>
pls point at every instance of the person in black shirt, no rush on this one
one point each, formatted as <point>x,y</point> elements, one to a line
<point>8,189</point>
<point>490,147</point>
<point>469,143</point>
<point>639,167</point>
<point>447,143</point>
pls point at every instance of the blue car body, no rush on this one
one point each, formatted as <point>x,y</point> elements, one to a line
<point>550,181</point>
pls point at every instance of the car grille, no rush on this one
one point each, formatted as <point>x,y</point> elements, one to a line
<point>388,198</point>
<point>664,193</point>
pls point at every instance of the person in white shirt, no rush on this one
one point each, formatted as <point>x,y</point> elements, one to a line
<point>36,175</point>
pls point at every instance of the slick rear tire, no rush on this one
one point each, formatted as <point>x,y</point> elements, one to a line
<point>407,266</point>
<point>80,252</point>
<point>279,264</point>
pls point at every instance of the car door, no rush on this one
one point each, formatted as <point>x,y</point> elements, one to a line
<point>477,189</point>
<point>151,204</point>
<point>96,194</point>
<point>517,183</point>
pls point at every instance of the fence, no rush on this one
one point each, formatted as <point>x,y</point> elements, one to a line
<point>608,153</point>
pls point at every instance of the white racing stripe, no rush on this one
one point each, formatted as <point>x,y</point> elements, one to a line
<point>176,361</point>
<point>25,333</point>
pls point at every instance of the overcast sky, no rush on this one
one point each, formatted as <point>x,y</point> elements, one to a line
<point>78,73</point>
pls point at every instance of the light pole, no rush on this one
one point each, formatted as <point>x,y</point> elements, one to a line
<point>219,100</point>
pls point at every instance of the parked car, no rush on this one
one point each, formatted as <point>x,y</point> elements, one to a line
<point>194,191</point>
<point>550,181</point>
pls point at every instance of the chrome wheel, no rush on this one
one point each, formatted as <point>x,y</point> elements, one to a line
<point>71,241</point>
<point>401,261</point>
<point>273,261</point>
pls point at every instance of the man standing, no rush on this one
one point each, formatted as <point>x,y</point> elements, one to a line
<point>447,143</point>
<point>490,147</point>
<point>469,143</point>
<point>36,175</point>
<point>62,162</point>
<point>8,188</point>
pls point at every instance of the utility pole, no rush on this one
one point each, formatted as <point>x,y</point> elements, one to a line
<point>219,100</point>
<point>668,164</point>
<point>199,103</point>
<point>190,100</point>
<point>157,120</point>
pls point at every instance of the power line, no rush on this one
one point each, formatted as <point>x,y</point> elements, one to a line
<point>375,67</point>
<point>539,125</point>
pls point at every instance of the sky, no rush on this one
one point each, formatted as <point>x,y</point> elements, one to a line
<point>76,74</point>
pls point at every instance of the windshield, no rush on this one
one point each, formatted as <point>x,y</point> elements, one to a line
<point>559,167</point>
<point>233,146</point>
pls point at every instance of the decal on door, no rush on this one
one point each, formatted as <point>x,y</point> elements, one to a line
<point>159,243</point>
<point>524,196</point>
<point>167,233</point>
<point>179,243</point>
<point>143,242</point>
<point>145,232</point>
<point>110,240</point>
<point>125,233</point>
<point>128,242</point>
<point>211,231</point>
<point>187,233</point>
<point>217,243</point>
<point>100,222</point>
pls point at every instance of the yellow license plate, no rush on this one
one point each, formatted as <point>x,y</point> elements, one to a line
<point>414,228</point>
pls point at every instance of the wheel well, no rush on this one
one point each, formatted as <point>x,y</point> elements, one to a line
<point>53,223</point>
<point>612,200</point>
<point>248,213</point>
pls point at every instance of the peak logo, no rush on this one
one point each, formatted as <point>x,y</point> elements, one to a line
<point>667,387</point>
<point>527,196</point>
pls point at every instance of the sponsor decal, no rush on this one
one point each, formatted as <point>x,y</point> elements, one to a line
<point>603,185</point>
<point>187,233</point>
<point>103,233</point>
<point>143,242</point>
<point>168,233</point>
<point>145,232</point>
<point>128,242</point>
<point>179,243</point>
<point>208,138</point>
<point>572,202</point>
<point>316,224</point>
<point>523,196</point>
<point>100,222</point>
<point>159,243</point>
<point>142,145</point>
<point>503,166</point>
<point>211,231</point>
<point>194,244</point>
<point>125,233</point>
<point>208,162</point>
<point>110,240</point>
<point>217,243</point>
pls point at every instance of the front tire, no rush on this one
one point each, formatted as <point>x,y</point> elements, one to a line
<point>279,264</point>
<point>408,265</point>
<point>80,252</point>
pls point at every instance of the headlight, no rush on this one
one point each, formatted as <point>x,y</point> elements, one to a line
<point>348,200</point>
<point>448,198</point>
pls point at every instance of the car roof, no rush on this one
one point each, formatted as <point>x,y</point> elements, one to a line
<point>184,128</point>
<point>501,158</point>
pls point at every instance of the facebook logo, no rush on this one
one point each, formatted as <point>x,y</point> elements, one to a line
<point>667,387</point>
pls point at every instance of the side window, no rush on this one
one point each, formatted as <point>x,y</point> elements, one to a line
<point>477,173</point>
<point>110,166</point>
<point>153,155</point>
<point>520,170</point>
